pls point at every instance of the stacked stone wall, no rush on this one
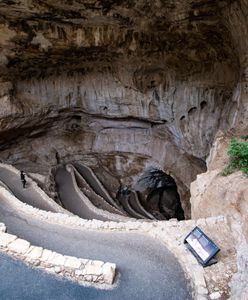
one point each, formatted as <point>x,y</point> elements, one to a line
<point>170,233</point>
<point>73,268</point>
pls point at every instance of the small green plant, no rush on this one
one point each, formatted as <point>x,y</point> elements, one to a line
<point>238,156</point>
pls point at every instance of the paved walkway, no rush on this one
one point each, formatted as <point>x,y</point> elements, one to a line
<point>70,198</point>
<point>31,197</point>
<point>148,270</point>
<point>19,282</point>
<point>94,198</point>
<point>93,181</point>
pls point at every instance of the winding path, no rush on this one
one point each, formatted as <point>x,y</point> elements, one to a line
<point>70,198</point>
<point>147,269</point>
<point>136,205</point>
<point>130,202</point>
<point>75,201</point>
<point>95,184</point>
<point>94,198</point>
<point>124,200</point>
<point>13,182</point>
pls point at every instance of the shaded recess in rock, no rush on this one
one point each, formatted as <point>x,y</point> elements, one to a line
<point>158,194</point>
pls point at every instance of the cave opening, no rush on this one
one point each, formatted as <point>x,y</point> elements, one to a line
<point>158,194</point>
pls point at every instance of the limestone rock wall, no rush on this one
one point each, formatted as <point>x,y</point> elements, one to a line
<point>179,105</point>
<point>121,85</point>
<point>235,18</point>
<point>96,113</point>
<point>212,193</point>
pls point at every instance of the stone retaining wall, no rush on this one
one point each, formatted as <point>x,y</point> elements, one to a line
<point>77,269</point>
<point>97,211</point>
<point>239,282</point>
<point>38,190</point>
<point>171,233</point>
<point>107,195</point>
<point>96,199</point>
<point>5,186</point>
<point>162,230</point>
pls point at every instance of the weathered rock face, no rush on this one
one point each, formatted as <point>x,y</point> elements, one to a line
<point>121,85</point>
<point>213,194</point>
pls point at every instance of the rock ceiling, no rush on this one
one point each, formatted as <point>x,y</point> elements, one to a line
<point>43,37</point>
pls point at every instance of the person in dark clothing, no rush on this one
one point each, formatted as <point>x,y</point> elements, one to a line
<point>23,179</point>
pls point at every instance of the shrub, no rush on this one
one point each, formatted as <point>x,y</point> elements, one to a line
<point>238,156</point>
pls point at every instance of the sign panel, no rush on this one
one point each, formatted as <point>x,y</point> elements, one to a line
<point>201,246</point>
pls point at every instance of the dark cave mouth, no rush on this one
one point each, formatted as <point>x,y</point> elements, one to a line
<point>157,193</point>
<point>154,196</point>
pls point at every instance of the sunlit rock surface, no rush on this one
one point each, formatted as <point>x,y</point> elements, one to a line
<point>213,194</point>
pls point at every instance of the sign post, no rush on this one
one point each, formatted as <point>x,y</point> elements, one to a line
<point>203,248</point>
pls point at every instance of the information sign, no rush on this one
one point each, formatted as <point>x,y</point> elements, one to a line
<point>201,246</point>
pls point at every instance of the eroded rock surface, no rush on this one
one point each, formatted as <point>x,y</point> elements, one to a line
<point>121,85</point>
<point>213,194</point>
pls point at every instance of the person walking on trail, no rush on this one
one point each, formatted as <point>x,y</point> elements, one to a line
<point>23,179</point>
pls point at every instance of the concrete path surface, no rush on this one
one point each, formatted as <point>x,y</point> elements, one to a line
<point>30,284</point>
<point>147,269</point>
<point>135,204</point>
<point>70,198</point>
<point>20,282</point>
<point>95,183</point>
<point>124,201</point>
<point>27,195</point>
<point>95,199</point>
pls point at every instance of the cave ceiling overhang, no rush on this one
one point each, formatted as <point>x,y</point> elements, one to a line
<point>42,38</point>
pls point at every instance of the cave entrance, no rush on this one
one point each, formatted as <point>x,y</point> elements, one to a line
<point>159,195</point>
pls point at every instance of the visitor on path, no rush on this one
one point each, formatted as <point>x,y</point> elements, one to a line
<point>23,179</point>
